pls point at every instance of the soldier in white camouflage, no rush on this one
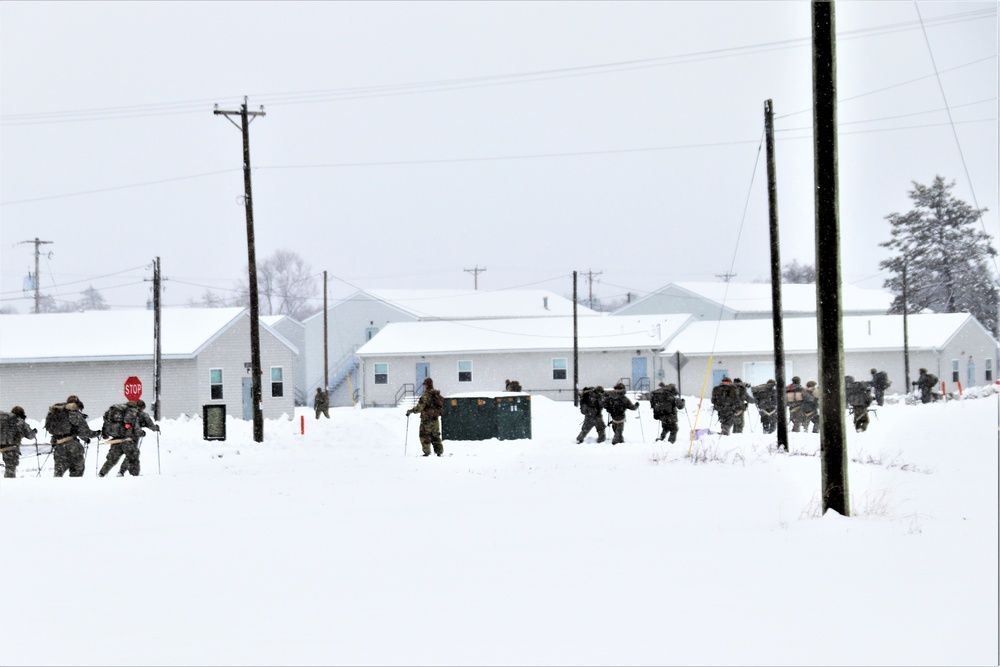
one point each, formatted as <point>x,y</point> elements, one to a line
<point>14,429</point>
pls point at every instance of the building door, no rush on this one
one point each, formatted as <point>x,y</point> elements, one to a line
<point>423,372</point>
<point>639,372</point>
<point>717,376</point>
<point>758,372</point>
<point>971,374</point>
<point>248,399</point>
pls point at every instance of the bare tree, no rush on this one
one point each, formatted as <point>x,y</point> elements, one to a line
<point>92,300</point>
<point>285,286</point>
<point>795,273</point>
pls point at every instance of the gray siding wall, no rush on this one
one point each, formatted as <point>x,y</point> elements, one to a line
<point>490,370</point>
<point>230,352</point>
<point>347,323</point>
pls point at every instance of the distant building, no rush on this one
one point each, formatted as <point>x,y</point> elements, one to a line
<point>953,346</point>
<point>205,353</point>
<point>740,301</point>
<point>354,321</point>
<point>479,355</point>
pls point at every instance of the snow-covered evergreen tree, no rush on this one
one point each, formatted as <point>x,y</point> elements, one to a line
<point>949,260</point>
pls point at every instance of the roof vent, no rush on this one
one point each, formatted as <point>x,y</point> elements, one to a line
<point>545,302</point>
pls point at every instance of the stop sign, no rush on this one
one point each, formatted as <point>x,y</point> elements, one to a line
<point>133,388</point>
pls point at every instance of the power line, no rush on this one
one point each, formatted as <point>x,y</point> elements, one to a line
<point>443,85</point>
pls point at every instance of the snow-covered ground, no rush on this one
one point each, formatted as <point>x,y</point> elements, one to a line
<point>343,545</point>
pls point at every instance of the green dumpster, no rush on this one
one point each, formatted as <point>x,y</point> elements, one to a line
<point>476,416</point>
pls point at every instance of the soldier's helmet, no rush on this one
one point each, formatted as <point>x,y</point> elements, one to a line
<point>811,383</point>
<point>771,381</point>
<point>874,371</point>
<point>598,388</point>
<point>796,379</point>
<point>725,378</point>
<point>620,386</point>
<point>671,387</point>
<point>848,379</point>
<point>662,385</point>
<point>923,370</point>
<point>141,404</point>
<point>429,383</point>
<point>19,411</point>
<point>73,398</point>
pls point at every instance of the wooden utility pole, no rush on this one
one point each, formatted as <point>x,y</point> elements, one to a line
<point>576,351</point>
<point>38,293</point>
<point>590,287</point>
<point>829,326</point>
<point>157,358</point>
<point>906,336</point>
<point>475,275</point>
<point>326,342</point>
<point>777,319</point>
<point>258,415</point>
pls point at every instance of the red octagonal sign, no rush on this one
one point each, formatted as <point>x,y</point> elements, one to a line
<point>133,388</point>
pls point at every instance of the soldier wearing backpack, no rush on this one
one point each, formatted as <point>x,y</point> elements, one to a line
<point>926,383</point>
<point>665,403</point>
<point>745,400</point>
<point>880,382</point>
<point>726,402</point>
<point>858,400</point>
<point>794,397</point>
<point>766,397</point>
<point>592,407</point>
<point>810,407</point>
<point>616,402</point>
<point>12,429</point>
<point>122,430</point>
<point>430,407</point>
<point>68,426</point>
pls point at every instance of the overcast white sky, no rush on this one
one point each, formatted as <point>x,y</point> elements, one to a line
<point>408,143</point>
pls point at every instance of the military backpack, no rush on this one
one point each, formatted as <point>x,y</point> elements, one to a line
<point>119,422</point>
<point>9,430</point>
<point>57,421</point>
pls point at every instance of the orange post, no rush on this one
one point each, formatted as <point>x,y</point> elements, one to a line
<point>302,424</point>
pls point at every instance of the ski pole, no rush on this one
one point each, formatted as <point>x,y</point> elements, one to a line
<point>407,434</point>
<point>97,458</point>
<point>639,417</point>
<point>158,470</point>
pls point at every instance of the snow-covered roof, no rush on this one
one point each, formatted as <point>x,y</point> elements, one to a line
<point>861,333</point>
<point>474,304</point>
<point>750,298</point>
<point>607,332</point>
<point>113,334</point>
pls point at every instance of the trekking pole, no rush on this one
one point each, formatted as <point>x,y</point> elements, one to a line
<point>158,470</point>
<point>641,430</point>
<point>97,457</point>
<point>406,435</point>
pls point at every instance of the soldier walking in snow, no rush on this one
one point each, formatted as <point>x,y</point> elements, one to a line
<point>322,403</point>
<point>430,407</point>
<point>68,426</point>
<point>12,429</point>
<point>665,403</point>
<point>880,382</point>
<point>726,402</point>
<point>766,397</point>
<point>123,429</point>
<point>592,407</point>
<point>616,403</point>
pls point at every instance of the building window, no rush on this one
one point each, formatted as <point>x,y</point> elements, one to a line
<point>988,366</point>
<point>465,371</point>
<point>559,369</point>
<point>954,370</point>
<point>370,333</point>
<point>381,373</point>
<point>277,383</point>
<point>215,383</point>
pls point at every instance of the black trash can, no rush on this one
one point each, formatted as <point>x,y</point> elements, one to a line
<point>213,420</point>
